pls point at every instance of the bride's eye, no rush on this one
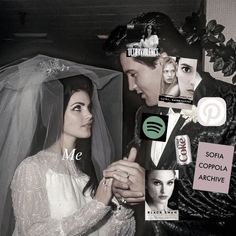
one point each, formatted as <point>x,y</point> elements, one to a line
<point>186,69</point>
<point>77,108</point>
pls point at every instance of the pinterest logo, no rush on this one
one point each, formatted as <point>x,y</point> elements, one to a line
<point>211,111</point>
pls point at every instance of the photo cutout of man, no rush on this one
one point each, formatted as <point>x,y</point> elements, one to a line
<point>144,78</point>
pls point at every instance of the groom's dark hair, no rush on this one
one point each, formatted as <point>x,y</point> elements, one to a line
<point>170,39</point>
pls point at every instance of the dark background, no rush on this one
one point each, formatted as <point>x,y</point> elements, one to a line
<point>70,31</point>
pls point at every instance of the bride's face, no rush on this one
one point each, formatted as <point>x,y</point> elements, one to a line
<point>78,118</point>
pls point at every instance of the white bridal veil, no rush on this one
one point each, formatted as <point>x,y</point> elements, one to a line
<point>31,93</point>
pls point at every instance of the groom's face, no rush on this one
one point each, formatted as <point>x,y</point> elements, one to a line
<point>143,79</point>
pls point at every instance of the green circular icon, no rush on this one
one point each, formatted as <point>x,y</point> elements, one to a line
<point>154,127</point>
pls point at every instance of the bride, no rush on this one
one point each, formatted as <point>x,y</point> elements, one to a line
<point>60,127</point>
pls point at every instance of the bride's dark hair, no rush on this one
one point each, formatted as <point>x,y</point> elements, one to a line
<point>85,164</point>
<point>71,85</point>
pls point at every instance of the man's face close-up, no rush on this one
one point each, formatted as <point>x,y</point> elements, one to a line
<point>143,79</point>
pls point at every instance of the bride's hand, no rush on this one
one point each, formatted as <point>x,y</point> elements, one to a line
<point>104,192</point>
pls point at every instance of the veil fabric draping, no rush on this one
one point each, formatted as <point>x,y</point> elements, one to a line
<point>30,93</point>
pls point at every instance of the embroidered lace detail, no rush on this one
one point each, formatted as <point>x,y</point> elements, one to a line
<point>88,216</point>
<point>122,222</point>
<point>32,207</point>
<point>52,66</point>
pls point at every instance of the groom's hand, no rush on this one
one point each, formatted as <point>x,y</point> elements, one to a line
<point>129,179</point>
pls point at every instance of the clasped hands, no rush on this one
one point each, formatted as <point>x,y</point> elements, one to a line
<point>128,179</point>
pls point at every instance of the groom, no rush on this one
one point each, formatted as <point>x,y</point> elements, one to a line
<point>144,76</point>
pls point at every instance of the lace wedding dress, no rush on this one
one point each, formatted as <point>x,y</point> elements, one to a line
<point>48,200</point>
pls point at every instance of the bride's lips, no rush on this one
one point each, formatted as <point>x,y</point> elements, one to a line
<point>87,125</point>
<point>163,197</point>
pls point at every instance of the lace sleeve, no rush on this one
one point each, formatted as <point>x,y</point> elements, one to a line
<point>83,220</point>
<point>122,221</point>
<point>31,207</point>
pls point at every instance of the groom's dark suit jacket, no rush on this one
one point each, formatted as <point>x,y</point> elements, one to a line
<point>201,212</point>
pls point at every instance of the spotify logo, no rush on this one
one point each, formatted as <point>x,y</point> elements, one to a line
<point>154,127</point>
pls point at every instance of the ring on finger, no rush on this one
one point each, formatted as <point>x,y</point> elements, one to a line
<point>123,200</point>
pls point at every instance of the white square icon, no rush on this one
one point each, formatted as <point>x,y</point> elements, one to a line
<point>211,111</point>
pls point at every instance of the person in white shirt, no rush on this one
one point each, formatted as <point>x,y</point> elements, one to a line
<point>149,39</point>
